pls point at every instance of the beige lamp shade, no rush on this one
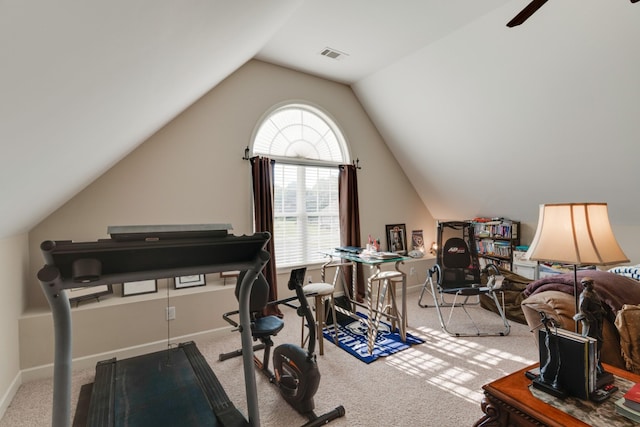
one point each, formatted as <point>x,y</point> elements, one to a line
<point>575,233</point>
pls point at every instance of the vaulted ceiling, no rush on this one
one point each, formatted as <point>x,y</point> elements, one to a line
<point>484,119</point>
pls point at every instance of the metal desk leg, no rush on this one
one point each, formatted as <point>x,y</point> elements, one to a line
<point>375,314</point>
<point>353,297</point>
<point>371,339</point>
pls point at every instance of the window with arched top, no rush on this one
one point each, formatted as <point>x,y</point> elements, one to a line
<point>307,147</point>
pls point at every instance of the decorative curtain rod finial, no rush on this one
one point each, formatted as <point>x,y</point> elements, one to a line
<point>356,163</point>
<point>246,153</point>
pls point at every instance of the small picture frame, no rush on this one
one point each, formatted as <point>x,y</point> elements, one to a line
<point>397,238</point>
<point>85,293</point>
<point>189,281</point>
<point>139,287</point>
<point>417,240</point>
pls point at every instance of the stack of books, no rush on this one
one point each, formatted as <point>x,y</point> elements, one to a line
<point>577,357</point>
<point>629,404</point>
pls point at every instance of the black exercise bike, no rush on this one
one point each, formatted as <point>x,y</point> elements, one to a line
<point>295,370</point>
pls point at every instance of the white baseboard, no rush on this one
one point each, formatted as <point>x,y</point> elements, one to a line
<point>85,362</point>
<point>10,393</point>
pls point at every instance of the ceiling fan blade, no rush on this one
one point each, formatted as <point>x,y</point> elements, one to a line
<point>527,12</point>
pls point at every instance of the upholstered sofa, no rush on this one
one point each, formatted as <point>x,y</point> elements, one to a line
<point>620,295</point>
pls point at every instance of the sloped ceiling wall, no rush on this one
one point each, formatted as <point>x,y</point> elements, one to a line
<point>84,83</point>
<point>485,120</point>
<point>494,121</point>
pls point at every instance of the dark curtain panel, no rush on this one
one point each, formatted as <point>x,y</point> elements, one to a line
<point>262,173</point>
<point>350,221</point>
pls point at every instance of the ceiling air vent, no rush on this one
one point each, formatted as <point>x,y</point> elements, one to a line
<point>333,53</point>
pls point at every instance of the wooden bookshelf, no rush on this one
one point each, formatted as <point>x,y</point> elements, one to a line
<point>496,240</point>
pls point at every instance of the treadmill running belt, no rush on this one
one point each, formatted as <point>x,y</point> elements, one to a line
<point>166,388</point>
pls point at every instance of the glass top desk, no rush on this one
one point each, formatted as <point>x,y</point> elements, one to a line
<point>376,304</point>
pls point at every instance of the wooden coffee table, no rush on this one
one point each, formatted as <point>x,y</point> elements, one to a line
<point>508,402</point>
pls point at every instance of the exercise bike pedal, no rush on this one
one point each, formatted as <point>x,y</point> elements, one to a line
<point>288,385</point>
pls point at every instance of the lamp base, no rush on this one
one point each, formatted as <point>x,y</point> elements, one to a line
<point>549,388</point>
<point>604,378</point>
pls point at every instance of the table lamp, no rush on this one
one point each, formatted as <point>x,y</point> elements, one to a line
<point>576,234</point>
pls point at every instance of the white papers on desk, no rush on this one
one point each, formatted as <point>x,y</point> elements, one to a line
<point>384,255</point>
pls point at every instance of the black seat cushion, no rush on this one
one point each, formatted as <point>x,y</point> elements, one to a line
<point>265,326</point>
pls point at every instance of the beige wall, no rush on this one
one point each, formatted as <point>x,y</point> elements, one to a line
<point>192,171</point>
<point>13,270</point>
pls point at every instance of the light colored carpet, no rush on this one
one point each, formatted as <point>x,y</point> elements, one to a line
<point>438,383</point>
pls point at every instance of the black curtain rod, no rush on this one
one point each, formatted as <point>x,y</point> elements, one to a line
<point>355,163</point>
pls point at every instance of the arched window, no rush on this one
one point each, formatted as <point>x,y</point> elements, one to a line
<point>307,147</point>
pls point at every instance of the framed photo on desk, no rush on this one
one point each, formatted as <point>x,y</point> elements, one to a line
<point>397,238</point>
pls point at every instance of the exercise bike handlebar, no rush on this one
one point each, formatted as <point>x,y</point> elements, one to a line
<point>305,311</point>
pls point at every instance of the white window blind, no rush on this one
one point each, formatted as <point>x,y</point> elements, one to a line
<point>305,213</point>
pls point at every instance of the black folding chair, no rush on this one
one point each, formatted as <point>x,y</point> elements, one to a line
<point>457,274</point>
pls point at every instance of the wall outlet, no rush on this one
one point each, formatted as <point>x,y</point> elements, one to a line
<point>412,271</point>
<point>171,313</point>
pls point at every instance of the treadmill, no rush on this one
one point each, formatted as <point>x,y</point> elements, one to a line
<point>174,386</point>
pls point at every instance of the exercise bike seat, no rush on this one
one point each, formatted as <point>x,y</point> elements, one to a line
<point>261,326</point>
<point>266,326</point>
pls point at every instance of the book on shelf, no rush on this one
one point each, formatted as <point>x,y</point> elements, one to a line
<point>632,397</point>
<point>495,248</point>
<point>625,411</point>
<point>495,229</point>
<point>577,371</point>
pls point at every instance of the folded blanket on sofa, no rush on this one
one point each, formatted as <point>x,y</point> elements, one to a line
<point>614,290</point>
